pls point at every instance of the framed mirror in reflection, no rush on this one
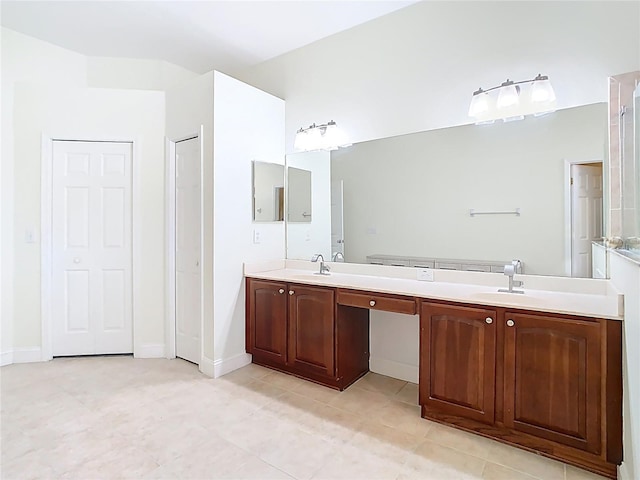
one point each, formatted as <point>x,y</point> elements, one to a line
<point>268,192</point>
<point>410,196</point>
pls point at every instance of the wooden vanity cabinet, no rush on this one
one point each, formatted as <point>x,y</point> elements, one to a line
<point>311,345</point>
<point>266,332</point>
<point>545,382</point>
<point>458,361</point>
<point>552,379</point>
<point>299,329</point>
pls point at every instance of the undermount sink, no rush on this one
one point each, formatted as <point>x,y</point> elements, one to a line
<point>505,297</point>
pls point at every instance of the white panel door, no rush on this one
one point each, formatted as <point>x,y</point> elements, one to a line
<point>586,216</point>
<point>91,248</point>
<point>188,270</point>
<point>337,226</point>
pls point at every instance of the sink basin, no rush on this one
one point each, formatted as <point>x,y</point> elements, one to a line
<point>508,298</point>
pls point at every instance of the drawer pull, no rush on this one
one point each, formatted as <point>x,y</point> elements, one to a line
<point>372,303</point>
<point>510,323</point>
<point>291,292</point>
<point>489,320</point>
<point>281,290</point>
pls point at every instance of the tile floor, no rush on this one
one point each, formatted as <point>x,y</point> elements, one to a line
<point>119,417</point>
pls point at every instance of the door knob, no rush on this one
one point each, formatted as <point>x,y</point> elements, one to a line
<point>372,303</point>
<point>281,290</point>
<point>77,260</point>
<point>510,323</point>
<point>489,320</point>
<point>291,292</point>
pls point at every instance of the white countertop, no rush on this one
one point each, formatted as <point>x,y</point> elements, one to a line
<point>604,304</point>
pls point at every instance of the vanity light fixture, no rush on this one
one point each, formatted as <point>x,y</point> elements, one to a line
<point>513,101</point>
<point>326,136</point>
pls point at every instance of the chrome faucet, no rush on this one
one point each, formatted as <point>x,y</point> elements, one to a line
<point>338,257</point>
<point>324,269</point>
<point>510,270</point>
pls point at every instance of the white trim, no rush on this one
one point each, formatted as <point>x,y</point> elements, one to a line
<point>46,245</point>
<point>46,255</point>
<point>567,207</point>
<point>207,366</point>
<point>150,350</point>
<point>25,355</point>
<point>170,195</point>
<point>624,473</point>
<point>223,366</point>
<point>6,358</point>
<point>389,368</point>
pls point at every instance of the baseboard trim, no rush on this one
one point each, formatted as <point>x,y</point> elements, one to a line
<point>226,365</point>
<point>401,371</point>
<point>623,472</point>
<point>22,355</point>
<point>149,350</point>
<point>6,358</point>
<point>207,367</point>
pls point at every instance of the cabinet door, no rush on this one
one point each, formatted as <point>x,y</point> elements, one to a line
<point>457,361</point>
<point>552,378</point>
<point>311,329</point>
<point>267,329</point>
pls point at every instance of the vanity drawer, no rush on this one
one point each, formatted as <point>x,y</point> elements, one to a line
<point>376,301</point>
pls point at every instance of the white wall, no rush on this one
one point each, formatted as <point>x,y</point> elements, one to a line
<point>92,114</point>
<point>248,125</point>
<point>415,69</point>
<point>625,275</point>
<point>137,74</point>
<point>306,239</point>
<point>45,89</point>
<point>189,106</point>
<point>415,191</point>
<point>24,59</point>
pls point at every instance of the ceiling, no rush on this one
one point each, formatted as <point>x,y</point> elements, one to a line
<point>197,35</point>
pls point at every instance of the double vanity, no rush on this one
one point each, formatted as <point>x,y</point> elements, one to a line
<point>540,370</point>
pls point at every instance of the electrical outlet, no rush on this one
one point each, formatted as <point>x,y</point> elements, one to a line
<point>425,274</point>
<point>257,235</point>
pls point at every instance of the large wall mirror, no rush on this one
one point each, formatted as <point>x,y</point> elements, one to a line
<point>268,192</point>
<point>413,195</point>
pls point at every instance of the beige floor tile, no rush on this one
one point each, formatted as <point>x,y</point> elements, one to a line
<point>408,394</point>
<point>440,461</point>
<point>405,417</point>
<point>334,425</point>
<point>386,442</point>
<point>351,463</point>
<point>316,392</point>
<point>493,471</point>
<point>119,417</point>
<point>282,380</point>
<point>379,383</point>
<point>299,454</point>
<point>529,463</point>
<point>573,473</point>
<point>457,439</point>
<point>361,402</point>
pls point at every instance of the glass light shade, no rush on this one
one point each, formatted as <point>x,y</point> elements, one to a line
<point>300,141</point>
<point>509,96</point>
<point>542,92</point>
<point>479,104</point>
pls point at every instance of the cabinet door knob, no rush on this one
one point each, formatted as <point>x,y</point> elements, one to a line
<point>510,323</point>
<point>489,320</point>
<point>281,290</point>
<point>372,303</point>
<point>291,292</point>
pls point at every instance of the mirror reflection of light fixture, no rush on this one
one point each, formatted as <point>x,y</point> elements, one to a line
<point>511,103</point>
<point>326,136</point>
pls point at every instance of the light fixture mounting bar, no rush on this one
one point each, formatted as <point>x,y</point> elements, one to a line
<point>508,82</point>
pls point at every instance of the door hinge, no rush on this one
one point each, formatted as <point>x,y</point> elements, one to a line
<point>571,181</point>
